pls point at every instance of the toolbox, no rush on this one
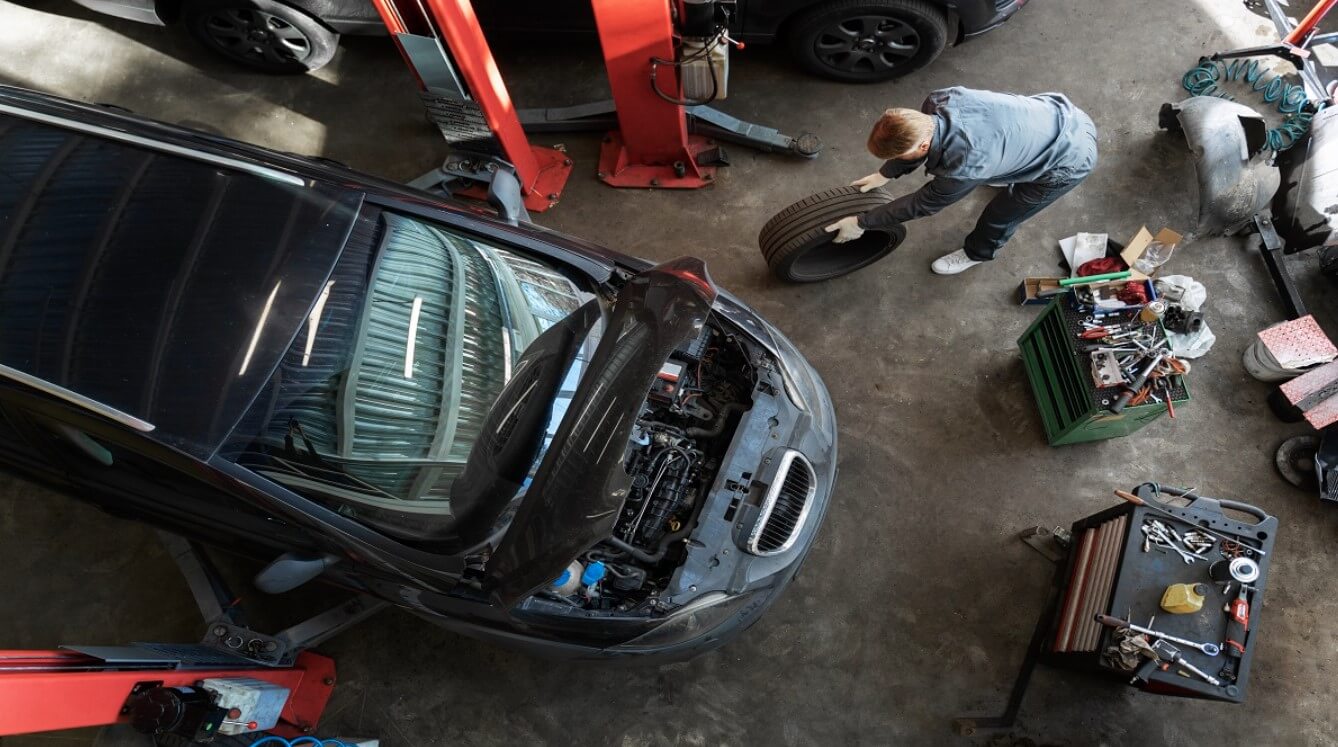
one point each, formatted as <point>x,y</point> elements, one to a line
<point>1073,410</point>
<point>1107,572</point>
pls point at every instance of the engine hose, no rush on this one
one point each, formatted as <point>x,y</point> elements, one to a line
<point>718,427</point>
<point>1290,100</point>
<point>647,557</point>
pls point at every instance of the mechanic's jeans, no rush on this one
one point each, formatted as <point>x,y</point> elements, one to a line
<point>1014,205</point>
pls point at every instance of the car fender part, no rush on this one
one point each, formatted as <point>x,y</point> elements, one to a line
<point>1308,213</point>
<point>1236,178</point>
<point>798,248</point>
<point>580,486</point>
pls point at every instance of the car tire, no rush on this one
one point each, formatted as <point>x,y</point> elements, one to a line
<point>867,41</point>
<point>798,248</point>
<point>264,35</point>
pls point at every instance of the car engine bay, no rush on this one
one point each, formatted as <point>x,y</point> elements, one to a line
<point>673,455</point>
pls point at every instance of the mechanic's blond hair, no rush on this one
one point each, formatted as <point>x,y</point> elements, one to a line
<point>898,131</point>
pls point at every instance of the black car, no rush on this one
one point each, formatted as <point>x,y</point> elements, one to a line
<point>527,438</point>
<point>849,40</point>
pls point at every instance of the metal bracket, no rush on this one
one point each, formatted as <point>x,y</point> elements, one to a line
<point>599,116</point>
<point>282,649</point>
<point>1052,543</point>
<point>462,172</point>
<point>1273,251</point>
<point>226,630</point>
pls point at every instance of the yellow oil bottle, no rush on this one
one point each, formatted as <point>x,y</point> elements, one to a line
<point>1183,599</point>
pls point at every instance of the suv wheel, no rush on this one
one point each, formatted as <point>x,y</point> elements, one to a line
<point>262,34</point>
<point>866,41</point>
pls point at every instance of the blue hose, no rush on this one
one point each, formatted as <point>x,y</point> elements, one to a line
<point>1290,100</point>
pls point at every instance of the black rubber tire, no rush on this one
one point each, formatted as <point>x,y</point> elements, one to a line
<point>309,46</point>
<point>798,248</point>
<point>805,32</point>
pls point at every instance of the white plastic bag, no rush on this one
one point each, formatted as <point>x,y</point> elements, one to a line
<point>1193,344</point>
<point>1192,293</point>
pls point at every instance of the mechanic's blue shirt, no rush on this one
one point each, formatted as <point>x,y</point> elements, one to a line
<point>982,137</point>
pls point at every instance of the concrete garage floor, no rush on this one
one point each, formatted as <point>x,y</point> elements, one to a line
<point>917,601</point>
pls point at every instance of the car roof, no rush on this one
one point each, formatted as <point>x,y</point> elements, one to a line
<point>160,283</point>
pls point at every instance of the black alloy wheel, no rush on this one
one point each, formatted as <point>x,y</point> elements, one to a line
<point>866,41</point>
<point>262,34</point>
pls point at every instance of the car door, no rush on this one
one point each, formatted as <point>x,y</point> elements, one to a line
<point>134,477</point>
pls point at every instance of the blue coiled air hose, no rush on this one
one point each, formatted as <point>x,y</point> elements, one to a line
<point>1290,100</point>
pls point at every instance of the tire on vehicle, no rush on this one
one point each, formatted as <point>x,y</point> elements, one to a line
<point>867,41</point>
<point>264,35</point>
<point>798,248</point>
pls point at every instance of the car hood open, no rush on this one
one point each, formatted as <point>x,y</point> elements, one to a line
<point>580,485</point>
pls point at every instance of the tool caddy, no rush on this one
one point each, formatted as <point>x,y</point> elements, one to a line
<point>1073,409</point>
<point>1107,572</point>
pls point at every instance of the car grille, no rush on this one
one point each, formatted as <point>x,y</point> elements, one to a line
<point>1002,5</point>
<point>785,507</point>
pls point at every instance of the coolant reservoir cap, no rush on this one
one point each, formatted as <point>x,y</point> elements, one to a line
<point>594,573</point>
<point>564,578</point>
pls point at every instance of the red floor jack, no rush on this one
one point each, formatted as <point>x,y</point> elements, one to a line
<point>236,681</point>
<point>666,59</point>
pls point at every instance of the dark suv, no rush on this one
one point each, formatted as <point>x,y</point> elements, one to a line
<point>527,438</point>
<point>858,41</point>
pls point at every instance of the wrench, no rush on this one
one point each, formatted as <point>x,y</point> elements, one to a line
<point>1179,660</point>
<point>1165,541</point>
<point>1211,649</point>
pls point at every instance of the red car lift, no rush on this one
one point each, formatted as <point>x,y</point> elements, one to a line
<point>472,108</point>
<point>155,686</point>
<point>658,137</point>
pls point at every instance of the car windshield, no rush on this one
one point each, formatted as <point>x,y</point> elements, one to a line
<point>378,401</point>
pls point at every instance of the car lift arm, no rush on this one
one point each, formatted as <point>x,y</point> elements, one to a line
<point>80,686</point>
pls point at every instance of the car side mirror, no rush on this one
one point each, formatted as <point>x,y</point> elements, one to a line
<point>291,570</point>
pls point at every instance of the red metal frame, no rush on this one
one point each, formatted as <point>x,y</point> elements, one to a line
<point>53,690</point>
<point>542,171</point>
<point>652,147</point>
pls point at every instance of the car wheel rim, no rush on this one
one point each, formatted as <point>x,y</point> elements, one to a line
<point>866,44</point>
<point>257,36</point>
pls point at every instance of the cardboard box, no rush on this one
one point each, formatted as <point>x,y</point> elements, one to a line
<point>1029,292</point>
<point>1136,246</point>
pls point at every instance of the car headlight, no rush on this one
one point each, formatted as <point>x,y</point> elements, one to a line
<point>717,611</point>
<point>795,372</point>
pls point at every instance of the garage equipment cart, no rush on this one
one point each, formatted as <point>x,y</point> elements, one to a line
<point>1111,586</point>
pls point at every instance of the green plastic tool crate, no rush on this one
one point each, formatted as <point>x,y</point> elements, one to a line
<point>1061,379</point>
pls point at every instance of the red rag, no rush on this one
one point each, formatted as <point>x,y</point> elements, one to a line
<point>1134,293</point>
<point>1101,266</point>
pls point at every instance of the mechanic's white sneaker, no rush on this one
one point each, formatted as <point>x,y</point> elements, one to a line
<point>951,264</point>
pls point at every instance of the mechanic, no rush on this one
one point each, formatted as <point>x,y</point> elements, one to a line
<point>1036,147</point>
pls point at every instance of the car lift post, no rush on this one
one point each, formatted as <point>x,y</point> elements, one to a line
<point>81,686</point>
<point>651,147</point>
<point>465,97</point>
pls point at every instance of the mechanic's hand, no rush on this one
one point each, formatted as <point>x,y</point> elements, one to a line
<point>872,181</point>
<point>846,229</point>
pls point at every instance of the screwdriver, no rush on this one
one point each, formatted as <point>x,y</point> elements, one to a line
<point>1126,495</point>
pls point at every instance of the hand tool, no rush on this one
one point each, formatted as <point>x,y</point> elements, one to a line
<point>1157,531</point>
<point>1211,649</point>
<point>1238,625</point>
<point>1126,495</point>
<point>1118,405</point>
<point>1178,659</point>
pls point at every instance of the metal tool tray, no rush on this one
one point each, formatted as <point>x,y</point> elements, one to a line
<point>1142,577</point>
